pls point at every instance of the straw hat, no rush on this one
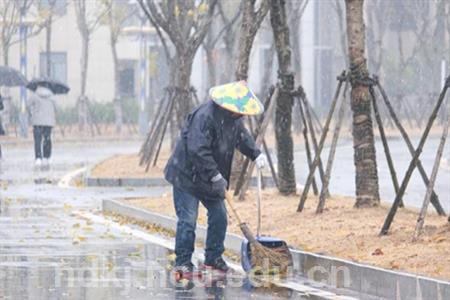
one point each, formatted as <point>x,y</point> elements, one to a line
<point>237,97</point>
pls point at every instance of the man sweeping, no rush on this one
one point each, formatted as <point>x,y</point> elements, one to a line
<point>200,166</point>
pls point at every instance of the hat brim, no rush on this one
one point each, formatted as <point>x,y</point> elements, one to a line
<point>237,98</point>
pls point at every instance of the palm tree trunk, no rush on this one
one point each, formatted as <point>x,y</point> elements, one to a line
<point>367,189</point>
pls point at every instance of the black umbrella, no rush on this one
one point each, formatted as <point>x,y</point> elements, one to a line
<point>11,77</point>
<point>57,87</point>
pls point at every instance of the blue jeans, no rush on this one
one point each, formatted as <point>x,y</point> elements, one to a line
<point>186,207</point>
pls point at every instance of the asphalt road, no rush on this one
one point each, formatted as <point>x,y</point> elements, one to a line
<point>47,251</point>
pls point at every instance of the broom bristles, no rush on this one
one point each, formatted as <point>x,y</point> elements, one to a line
<point>269,259</point>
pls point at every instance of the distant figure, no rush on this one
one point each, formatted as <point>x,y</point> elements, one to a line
<point>42,109</point>
<point>2,130</point>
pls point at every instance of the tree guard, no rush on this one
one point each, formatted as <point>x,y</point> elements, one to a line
<point>404,134</point>
<point>341,79</point>
<point>414,162</point>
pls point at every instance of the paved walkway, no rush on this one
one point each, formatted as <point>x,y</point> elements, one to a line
<point>47,251</point>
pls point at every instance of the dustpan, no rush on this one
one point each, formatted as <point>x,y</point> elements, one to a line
<point>268,241</point>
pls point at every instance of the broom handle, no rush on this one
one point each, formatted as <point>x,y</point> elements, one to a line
<point>258,178</point>
<point>229,198</point>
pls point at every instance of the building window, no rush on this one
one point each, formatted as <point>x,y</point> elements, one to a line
<point>127,85</point>
<point>58,7</point>
<point>58,66</point>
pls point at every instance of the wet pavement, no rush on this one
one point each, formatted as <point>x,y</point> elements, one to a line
<point>49,251</point>
<point>343,173</point>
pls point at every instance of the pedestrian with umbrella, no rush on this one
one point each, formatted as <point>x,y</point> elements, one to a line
<point>200,166</point>
<point>42,108</point>
<point>9,77</point>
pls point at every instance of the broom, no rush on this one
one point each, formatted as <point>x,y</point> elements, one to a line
<point>263,258</point>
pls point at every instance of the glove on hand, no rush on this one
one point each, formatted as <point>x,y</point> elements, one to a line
<point>261,161</point>
<point>219,185</point>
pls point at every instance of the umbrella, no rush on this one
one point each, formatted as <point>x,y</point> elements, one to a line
<point>57,87</point>
<point>11,77</point>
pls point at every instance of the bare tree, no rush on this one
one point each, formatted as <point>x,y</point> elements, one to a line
<point>217,29</point>
<point>337,6</point>
<point>284,102</point>
<point>367,189</point>
<point>88,21</point>
<point>186,23</point>
<point>295,11</point>
<point>377,13</point>
<point>10,14</point>
<point>251,21</point>
<point>252,18</point>
<point>230,38</point>
<point>116,15</point>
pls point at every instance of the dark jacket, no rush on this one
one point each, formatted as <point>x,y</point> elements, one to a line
<point>205,148</point>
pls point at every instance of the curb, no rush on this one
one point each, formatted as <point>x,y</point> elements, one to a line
<point>232,241</point>
<point>335,272</point>
<point>146,182</point>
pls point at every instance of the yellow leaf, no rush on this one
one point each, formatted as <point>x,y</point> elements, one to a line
<point>202,8</point>
<point>67,207</point>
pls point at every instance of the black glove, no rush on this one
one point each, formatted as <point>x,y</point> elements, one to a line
<point>219,185</point>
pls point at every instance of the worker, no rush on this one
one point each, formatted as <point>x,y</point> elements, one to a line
<point>200,166</point>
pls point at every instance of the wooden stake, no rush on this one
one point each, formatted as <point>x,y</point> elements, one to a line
<point>258,142</point>
<point>308,150</point>
<point>167,121</point>
<point>337,130</point>
<point>158,129</point>
<point>404,134</point>
<point>272,168</point>
<point>433,176</point>
<point>241,178</point>
<point>414,161</point>
<point>323,137</point>
<point>313,137</point>
<point>146,145</point>
<point>387,151</point>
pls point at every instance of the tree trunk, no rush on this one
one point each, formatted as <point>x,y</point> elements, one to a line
<point>118,110</point>
<point>283,113</point>
<point>367,190</point>
<point>48,46</point>
<point>211,66</point>
<point>249,28</point>
<point>182,84</point>
<point>82,100</point>
<point>5,49</point>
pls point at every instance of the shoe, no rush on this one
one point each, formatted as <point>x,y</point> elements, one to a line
<point>38,162</point>
<point>188,268</point>
<point>187,271</point>
<point>218,264</point>
<point>46,162</point>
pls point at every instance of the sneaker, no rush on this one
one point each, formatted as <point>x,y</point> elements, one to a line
<point>46,162</point>
<point>185,272</point>
<point>218,264</point>
<point>186,268</point>
<point>38,162</point>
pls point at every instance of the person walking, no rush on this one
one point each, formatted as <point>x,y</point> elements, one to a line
<point>200,166</point>
<point>2,130</point>
<point>42,110</point>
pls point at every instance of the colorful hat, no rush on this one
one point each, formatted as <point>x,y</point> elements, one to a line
<point>236,97</point>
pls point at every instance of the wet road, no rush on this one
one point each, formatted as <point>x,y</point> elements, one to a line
<point>48,251</point>
<point>343,173</point>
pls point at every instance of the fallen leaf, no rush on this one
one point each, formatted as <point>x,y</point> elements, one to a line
<point>377,252</point>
